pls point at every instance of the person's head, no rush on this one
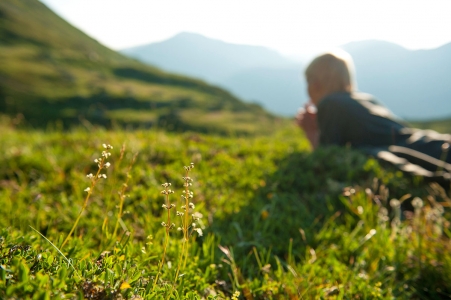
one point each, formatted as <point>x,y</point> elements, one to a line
<point>330,73</point>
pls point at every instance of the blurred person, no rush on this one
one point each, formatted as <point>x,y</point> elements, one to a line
<point>339,115</point>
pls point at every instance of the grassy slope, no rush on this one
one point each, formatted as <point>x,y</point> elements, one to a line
<point>50,71</point>
<point>443,126</point>
<point>273,207</point>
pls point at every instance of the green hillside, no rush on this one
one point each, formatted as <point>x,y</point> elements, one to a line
<point>51,71</point>
<point>440,125</point>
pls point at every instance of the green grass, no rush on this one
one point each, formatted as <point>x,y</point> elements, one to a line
<point>441,125</point>
<point>276,223</point>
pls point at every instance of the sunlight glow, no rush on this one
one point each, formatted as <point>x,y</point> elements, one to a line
<point>289,26</point>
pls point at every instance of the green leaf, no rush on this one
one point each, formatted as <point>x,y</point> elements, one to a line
<point>2,273</point>
<point>23,272</point>
<point>50,259</point>
<point>135,277</point>
<point>42,279</point>
<point>62,272</point>
<point>44,296</point>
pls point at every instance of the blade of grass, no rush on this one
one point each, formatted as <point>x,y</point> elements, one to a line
<point>59,251</point>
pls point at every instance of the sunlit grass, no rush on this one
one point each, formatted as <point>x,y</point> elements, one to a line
<point>278,221</point>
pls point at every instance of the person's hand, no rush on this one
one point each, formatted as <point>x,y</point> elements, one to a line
<point>306,119</point>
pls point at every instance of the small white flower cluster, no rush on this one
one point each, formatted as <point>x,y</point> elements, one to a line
<point>106,154</point>
<point>199,231</point>
<point>168,226</point>
<point>383,215</point>
<point>190,205</point>
<point>190,167</point>
<point>187,223</point>
<point>166,190</point>
<point>168,207</point>
<point>188,194</point>
<point>417,203</point>
<point>196,217</point>
<point>436,213</point>
<point>188,181</point>
<point>395,203</point>
<point>102,164</point>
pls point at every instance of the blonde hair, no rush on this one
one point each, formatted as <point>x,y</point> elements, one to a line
<point>334,70</point>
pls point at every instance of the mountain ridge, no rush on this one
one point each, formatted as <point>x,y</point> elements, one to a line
<point>414,84</point>
<point>225,67</point>
<point>187,51</point>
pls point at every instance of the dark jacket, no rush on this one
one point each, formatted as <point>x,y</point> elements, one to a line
<point>359,120</point>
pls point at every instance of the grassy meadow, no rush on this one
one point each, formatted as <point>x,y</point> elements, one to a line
<point>121,181</point>
<point>441,125</point>
<point>263,218</point>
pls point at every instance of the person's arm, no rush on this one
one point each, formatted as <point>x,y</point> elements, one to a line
<point>307,120</point>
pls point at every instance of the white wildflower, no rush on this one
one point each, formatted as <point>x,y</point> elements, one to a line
<point>199,231</point>
<point>417,202</point>
<point>197,215</point>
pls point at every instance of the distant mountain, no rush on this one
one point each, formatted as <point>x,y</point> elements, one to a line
<point>53,73</point>
<point>280,90</point>
<point>257,74</point>
<point>208,59</point>
<point>413,84</point>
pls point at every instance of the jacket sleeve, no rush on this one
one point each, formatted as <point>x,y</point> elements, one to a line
<point>332,123</point>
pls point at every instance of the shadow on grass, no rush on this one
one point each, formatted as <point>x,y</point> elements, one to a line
<point>302,207</point>
<point>303,194</point>
<point>101,110</point>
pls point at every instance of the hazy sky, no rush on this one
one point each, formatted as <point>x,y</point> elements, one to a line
<point>291,27</point>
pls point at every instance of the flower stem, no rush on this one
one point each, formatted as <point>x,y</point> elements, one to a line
<point>122,196</point>
<point>168,227</point>
<point>85,204</point>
